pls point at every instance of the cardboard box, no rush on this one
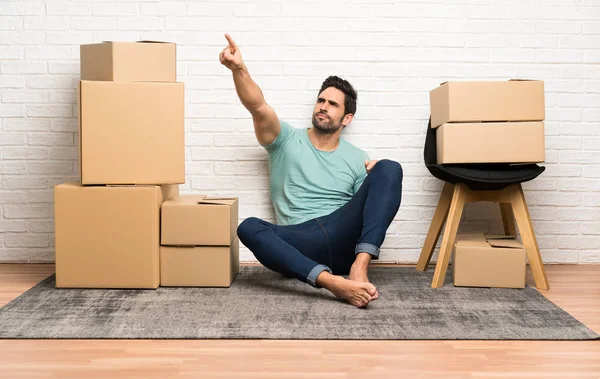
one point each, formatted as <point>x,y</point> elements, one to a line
<point>196,220</point>
<point>107,237</point>
<point>143,61</point>
<point>199,266</point>
<point>170,191</point>
<point>489,261</point>
<point>491,142</point>
<point>513,100</point>
<point>131,133</point>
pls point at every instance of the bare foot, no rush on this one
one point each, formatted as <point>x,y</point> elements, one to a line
<point>358,273</point>
<point>356,293</point>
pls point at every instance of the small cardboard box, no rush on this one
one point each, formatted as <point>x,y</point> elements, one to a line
<point>491,142</point>
<point>199,266</point>
<point>107,237</point>
<point>170,191</point>
<point>489,261</point>
<point>197,220</point>
<point>131,133</point>
<point>142,61</point>
<point>512,100</point>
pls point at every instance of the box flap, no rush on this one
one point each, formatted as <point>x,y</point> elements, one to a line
<point>512,244</point>
<point>499,236</point>
<point>142,41</point>
<point>503,241</point>
<point>217,200</point>
<point>149,41</point>
<point>471,239</point>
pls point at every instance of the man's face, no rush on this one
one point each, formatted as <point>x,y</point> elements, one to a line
<point>329,111</point>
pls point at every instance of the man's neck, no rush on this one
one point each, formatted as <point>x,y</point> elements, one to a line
<point>324,142</point>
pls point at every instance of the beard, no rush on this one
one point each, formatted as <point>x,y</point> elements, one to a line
<point>325,125</point>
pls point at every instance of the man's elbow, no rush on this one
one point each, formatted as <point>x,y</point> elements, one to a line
<point>259,109</point>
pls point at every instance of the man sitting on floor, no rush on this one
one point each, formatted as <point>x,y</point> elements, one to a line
<point>333,205</point>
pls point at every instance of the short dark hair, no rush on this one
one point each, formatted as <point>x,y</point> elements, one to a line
<point>349,92</point>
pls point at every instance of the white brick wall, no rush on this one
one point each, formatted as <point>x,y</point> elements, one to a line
<point>393,51</point>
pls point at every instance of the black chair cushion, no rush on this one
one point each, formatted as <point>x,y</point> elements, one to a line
<point>479,176</point>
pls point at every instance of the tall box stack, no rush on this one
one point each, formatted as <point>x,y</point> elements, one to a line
<point>131,114</point>
<point>489,122</point>
<point>199,243</point>
<point>131,140</point>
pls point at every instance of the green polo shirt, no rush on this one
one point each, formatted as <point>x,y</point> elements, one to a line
<point>305,182</point>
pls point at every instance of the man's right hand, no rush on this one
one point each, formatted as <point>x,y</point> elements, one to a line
<point>266,123</point>
<point>231,56</point>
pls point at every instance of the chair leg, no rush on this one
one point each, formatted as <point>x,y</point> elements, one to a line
<point>456,208</point>
<point>435,229</point>
<point>508,219</point>
<point>523,219</point>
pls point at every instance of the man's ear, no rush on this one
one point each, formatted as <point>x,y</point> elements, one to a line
<point>347,119</point>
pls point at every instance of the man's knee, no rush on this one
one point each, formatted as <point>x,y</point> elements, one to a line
<point>391,169</point>
<point>248,228</point>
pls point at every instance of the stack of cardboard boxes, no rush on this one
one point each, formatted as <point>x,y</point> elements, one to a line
<point>205,255</point>
<point>489,122</point>
<point>132,159</point>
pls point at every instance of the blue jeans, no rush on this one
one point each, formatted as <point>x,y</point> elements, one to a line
<point>330,243</point>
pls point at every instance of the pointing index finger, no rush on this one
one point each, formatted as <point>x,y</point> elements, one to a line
<point>230,40</point>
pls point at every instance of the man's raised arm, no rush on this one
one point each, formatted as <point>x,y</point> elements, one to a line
<point>266,123</point>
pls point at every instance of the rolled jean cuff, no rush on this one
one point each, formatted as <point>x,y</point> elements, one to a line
<point>314,273</point>
<point>367,248</point>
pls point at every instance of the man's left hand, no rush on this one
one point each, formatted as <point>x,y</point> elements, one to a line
<point>369,165</point>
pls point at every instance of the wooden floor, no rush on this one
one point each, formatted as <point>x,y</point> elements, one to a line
<point>575,288</point>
